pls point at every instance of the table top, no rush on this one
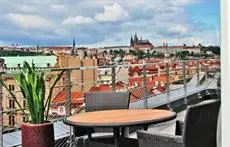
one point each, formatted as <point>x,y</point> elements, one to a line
<point>119,118</point>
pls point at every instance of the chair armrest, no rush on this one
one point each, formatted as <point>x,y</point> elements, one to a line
<point>79,131</point>
<point>149,139</point>
<point>179,127</point>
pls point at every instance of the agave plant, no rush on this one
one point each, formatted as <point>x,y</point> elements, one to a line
<point>33,88</point>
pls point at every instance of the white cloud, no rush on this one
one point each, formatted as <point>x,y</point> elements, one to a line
<point>77,20</point>
<point>57,7</point>
<point>184,2</point>
<point>62,32</point>
<point>29,21</point>
<point>112,13</point>
<point>156,20</point>
<point>179,29</point>
<point>26,8</point>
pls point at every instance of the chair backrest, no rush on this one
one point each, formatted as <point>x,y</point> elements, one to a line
<point>95,101</point>
<point>201,124</point>
<point>211,96</point>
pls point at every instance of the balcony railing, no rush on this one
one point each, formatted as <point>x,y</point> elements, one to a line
<point>151,85</point>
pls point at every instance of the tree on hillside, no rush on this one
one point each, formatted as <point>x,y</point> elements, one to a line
<point>213,49</point>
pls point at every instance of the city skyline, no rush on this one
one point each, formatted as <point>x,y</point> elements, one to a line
<point>107,22</point>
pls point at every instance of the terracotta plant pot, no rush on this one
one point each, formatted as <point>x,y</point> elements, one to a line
<point>37,135</point>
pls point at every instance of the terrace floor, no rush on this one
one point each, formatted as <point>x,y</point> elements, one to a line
<point>165,127</point>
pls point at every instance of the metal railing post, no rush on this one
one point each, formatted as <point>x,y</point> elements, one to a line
<point>185,82</point>
<point>168,84</point>
<point>68,102</point>
<point>145,86</point>
<point>198,77</point>
<point>68,92</point>
<point>198,72</point>
<point>1,114</point>
<point>206,72</point>
<point>113,78</point>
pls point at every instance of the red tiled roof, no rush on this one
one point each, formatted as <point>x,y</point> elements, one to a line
<point>103,87</point>
<point>133,80</point>
<point>136,93</point>
<point>120,85</point>
<point>161,89</point>
<point>162,66</point>
<point>174,65</point>
<point>160,78</point>
<point>76,97</point>
<point>133,70</point>
<point>152,68</point>
<point>107,87</point>
<point>149,80</point>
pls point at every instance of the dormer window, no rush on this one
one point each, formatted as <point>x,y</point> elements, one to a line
<point>135,74</point>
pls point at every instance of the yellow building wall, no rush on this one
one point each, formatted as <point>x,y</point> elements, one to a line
<point>84,79</point>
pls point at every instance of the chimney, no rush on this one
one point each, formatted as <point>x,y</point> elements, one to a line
<point>19,66</point>
<point>48,64</point>
<point>4,67</point>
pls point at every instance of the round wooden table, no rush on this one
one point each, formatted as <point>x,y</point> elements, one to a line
<point>117,119</point>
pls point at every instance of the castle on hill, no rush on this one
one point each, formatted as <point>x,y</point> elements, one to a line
<point>139,43</point>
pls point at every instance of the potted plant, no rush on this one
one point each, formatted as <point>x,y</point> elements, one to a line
<point>38,131</point>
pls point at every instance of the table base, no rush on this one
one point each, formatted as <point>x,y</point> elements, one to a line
<point>109,142</point>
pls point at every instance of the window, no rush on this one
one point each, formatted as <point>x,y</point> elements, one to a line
<point>11,104</point>
<point>11,87</point>
<point>25,118</point>
<point>24,104</point>
<point>61,109</point>
<point>135,74</point>
<point>11,120</point>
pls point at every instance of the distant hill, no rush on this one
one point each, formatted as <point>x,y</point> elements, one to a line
<point>6,53</point>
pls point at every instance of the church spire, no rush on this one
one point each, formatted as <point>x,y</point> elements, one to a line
<point>73,48</point>
<point>135,38</point>
<point>73,42</point>
<point>131,41</point>
<point>37,48</point>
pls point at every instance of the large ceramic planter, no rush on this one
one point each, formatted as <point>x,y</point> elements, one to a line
<point>37,135</point>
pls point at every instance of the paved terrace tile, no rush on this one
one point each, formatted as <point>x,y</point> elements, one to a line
<point>165,127</point>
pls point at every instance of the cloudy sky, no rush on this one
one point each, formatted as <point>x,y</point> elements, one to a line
<point>109,22</point>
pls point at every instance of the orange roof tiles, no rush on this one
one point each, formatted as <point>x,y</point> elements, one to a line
<point>76,97</point>
<point>149,80</point>
<point>103,87</point>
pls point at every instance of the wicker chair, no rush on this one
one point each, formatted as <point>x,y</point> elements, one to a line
<point>95,101</point>
<point>198,130</point>
<point>211,96</point>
